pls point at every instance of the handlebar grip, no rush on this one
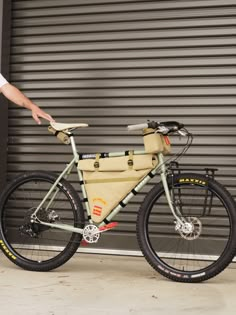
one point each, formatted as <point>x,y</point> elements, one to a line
<point>137,127</point>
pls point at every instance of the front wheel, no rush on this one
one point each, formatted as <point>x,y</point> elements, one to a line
<point>205,245</point>
<point>31,245</point>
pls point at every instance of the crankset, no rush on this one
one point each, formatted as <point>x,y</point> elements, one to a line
<point>91,232</point>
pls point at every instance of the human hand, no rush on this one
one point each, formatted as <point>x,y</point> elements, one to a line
<point>37,112</point>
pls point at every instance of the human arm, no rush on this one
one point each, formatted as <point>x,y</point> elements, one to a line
<point>16,96</point>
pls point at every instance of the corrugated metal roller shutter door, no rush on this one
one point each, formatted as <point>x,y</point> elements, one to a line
<point>113,63</point>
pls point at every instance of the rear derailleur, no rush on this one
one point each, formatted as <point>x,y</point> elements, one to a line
<point>32,227</point>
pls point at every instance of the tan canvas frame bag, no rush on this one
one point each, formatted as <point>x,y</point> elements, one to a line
<point>155,142</point>
<point>108,180</point>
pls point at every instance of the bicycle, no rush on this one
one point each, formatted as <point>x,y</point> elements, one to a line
<point>185,224</point>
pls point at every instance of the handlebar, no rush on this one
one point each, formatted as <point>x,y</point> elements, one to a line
<point>138,126</point>
<point>165,127</point>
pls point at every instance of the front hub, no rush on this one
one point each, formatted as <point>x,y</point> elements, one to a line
<point>191,229</point>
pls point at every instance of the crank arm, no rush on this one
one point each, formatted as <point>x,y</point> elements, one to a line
<point>107,227</point>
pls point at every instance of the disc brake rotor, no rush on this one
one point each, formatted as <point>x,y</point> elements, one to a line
<point>190,230</point>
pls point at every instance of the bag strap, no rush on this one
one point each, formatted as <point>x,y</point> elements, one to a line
<point>96,163</point>
<point>131,160</point>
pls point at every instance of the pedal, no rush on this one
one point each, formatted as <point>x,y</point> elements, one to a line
<point>108,226</point>
<point>84,243</point>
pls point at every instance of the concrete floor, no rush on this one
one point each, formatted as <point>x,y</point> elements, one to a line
<point>111,285</point>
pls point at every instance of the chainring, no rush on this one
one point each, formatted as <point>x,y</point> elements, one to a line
<point>91,233</point>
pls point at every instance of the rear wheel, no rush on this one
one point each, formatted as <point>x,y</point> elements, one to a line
<point>34,246</point>
<point>205,245</point>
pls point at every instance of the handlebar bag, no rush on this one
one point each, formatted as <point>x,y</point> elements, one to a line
<point>155,142</point>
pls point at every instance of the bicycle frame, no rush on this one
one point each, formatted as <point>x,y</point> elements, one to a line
<point>75,161</point>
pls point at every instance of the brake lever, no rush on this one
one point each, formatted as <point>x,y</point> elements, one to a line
<point>182,133</point>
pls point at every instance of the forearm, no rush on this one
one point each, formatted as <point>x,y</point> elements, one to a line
<point>17,97</point>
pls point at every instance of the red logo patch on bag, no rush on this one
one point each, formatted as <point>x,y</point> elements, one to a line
<point>97,210</point>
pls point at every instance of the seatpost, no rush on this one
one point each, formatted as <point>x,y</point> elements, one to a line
<point>73,145</point>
